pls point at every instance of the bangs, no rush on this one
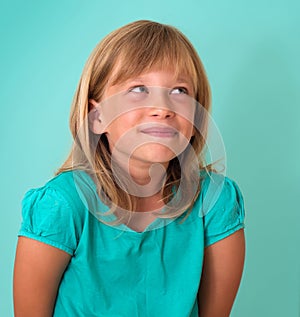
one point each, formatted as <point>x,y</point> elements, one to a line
<point>159,47</point>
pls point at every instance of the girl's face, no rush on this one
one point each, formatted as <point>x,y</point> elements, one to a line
<point>148,119</point>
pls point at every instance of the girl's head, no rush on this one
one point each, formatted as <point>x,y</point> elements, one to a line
<point>134,49</point>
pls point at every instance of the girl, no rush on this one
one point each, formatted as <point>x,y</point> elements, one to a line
<point>134,223</point>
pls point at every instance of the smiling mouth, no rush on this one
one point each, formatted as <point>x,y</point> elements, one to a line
<point>160,132</point>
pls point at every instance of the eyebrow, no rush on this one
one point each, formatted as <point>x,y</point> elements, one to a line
<point>135,79</point>
<point>181,80</point>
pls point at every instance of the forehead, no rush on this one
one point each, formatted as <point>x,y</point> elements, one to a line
<point>152,78</point>
<point>177,72</point>
<point>154,75</point>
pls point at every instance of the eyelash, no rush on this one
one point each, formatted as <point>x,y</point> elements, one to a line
<point>182,90</point>
<point>140,86</point>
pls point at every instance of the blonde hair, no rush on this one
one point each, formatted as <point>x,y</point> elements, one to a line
<point>136,48</point>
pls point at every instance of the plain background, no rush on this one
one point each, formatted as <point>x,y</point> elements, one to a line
<point>251,53</point>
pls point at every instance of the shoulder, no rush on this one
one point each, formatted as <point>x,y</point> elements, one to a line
<point>217,191</point>
<point>222,206</point>
<point>61,189</point>
<point>55,213</point>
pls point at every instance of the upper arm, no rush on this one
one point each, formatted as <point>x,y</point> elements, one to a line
<point>37,274</point>
<point>222,271</point>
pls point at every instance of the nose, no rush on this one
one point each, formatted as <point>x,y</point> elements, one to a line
<point>161,107</point>
<point>162,113</point>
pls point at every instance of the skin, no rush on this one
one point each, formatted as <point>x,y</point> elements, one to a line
<point>37,274</point>
<point>221,275</point>
<point>40,267</point>
<point>158,111</point>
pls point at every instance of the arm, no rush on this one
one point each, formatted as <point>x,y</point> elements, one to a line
<point>37,274</point>
<point>222,271</point>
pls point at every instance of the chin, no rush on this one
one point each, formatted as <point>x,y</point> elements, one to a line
<point>155,154</point>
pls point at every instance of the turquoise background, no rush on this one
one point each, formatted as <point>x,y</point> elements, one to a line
<point>251,53</point>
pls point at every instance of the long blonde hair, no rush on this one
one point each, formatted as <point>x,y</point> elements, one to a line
<point>137,47</point>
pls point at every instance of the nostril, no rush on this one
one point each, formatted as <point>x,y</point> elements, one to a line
<point>157,112</point>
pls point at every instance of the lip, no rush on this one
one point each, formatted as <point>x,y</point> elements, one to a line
<point>159,131</point>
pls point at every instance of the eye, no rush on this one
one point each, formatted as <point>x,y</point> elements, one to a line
<point>139,89</point>
<point>179,90</point>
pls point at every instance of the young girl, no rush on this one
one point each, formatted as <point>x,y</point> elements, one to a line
<point>135,223</point>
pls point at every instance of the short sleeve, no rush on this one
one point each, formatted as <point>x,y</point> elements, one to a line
<point>48,218</point>
<point>226,214</point>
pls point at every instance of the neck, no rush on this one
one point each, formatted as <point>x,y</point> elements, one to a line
<point>140,179</point>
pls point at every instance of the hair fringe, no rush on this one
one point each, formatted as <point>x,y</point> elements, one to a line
<point>116,58</point>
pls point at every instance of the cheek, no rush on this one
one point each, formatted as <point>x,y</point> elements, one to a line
<point>123,123</point>
<point>188,128</point>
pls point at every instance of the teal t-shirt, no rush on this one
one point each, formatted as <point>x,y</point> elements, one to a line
<point>115,271</point>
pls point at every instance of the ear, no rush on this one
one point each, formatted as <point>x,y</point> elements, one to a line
<point>193,131</point>
<point>94,116</point>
